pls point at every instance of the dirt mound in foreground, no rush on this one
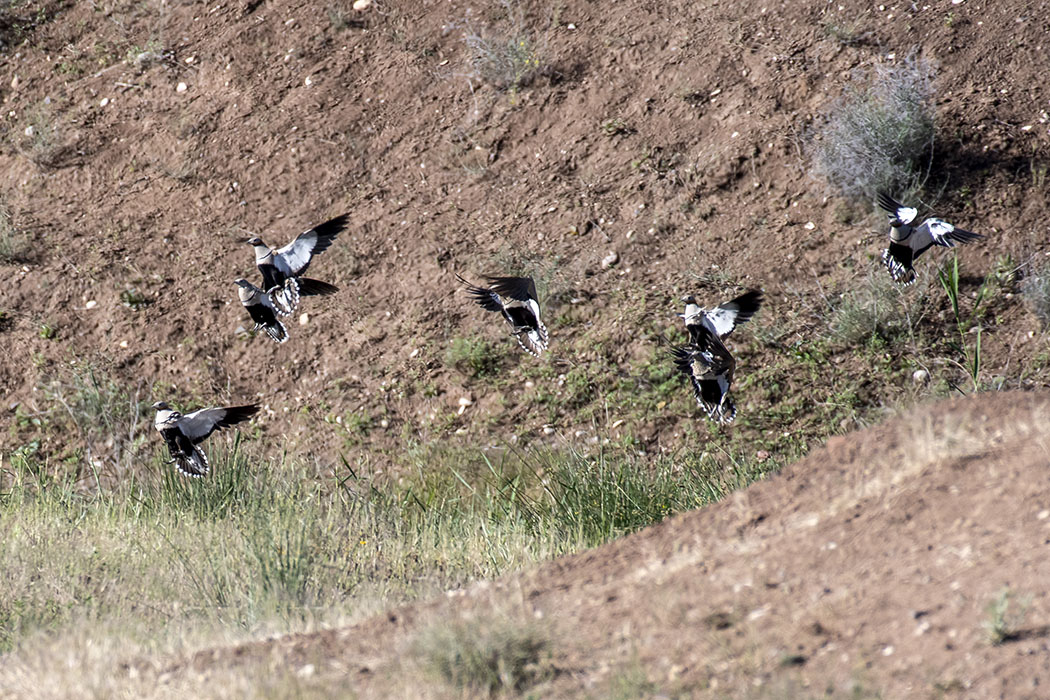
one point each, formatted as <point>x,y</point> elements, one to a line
<point>870,565</point>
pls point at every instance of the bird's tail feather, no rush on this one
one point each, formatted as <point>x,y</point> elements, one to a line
<point>195,464</point>
<point>285,299</point>
<point>278,332</point>
<point>315,288</point>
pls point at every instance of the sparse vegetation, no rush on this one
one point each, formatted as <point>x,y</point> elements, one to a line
<point>1005,615</point>
<point>14,244</point>
<point>488,656</point>
<point>507,58</point>
<point>134,299</point>
<point>949,279</point>
<point>876,310</point>
<point>880,134</point>
<point>476,358</point>
<point>1035,290</point>
<point>40,139</point>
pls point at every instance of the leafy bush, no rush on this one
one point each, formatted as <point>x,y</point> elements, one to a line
<point>880,134</point>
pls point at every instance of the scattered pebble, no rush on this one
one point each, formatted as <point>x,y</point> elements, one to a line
<point>124,344</point>
<point>548,430</point>
<point>104,102</point>
<point>29,131</point>
<point>91,304</point>
<point>611,259</point>
<point>360,5</point>
<point>304,318</point>
<point>920,376</point>
<point>181,87</point>
<point>810,225</point>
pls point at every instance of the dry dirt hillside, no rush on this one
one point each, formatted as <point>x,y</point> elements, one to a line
<point>870,569</point>
<point>145,141</point>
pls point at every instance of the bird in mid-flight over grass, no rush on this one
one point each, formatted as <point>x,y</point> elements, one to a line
<point>515,298</point>
<point>183,433</point>
<point>282,268</point>
<point>260,308</point>
<point>908,241</point>
<point>705,360</point>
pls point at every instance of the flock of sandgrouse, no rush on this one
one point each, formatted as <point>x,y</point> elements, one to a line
<point>705,359</point>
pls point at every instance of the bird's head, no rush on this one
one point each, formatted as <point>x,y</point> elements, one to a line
<point>255,240</point>
<point>241,282</point>
<point>160,406</point>
<point>895,222</point>
<point>689,299</point>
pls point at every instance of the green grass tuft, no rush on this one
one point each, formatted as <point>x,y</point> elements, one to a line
<point>487,656</point>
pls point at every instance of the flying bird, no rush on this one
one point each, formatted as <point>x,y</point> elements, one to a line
<point>261,308</point>
<point>908,241</point>
<point>705,359</point>
<point>515,298</point>
<point>709,366</point>
<point>721,320</point>
<point>183,433</point>
<point>282,268</point>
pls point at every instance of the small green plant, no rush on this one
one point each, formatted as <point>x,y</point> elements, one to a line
<point>489,655</point>
<point>509,59</point>
<point>1035,291</point>
<point>949,279</point>
<point>1038,171</point>
<point>40,139</point>
<point>1003,623</point>
<point>47,331</point>
<point>880,134</point>
<point>846,33</point>
<point>875,311</point>
<point>134,299</point>
<point>14,245</point>
<point>474,358</point>
<point>616,127</point>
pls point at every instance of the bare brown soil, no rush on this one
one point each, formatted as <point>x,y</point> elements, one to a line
<point>290,116</point>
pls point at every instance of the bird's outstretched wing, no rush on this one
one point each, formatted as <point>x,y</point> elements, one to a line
<point>944,234</point>
<point>294,258</point>
<point>200,424</point>
<point>517,288</point>
<point>732,313</point>
<point>895,209</point>
<point>488,299</point>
